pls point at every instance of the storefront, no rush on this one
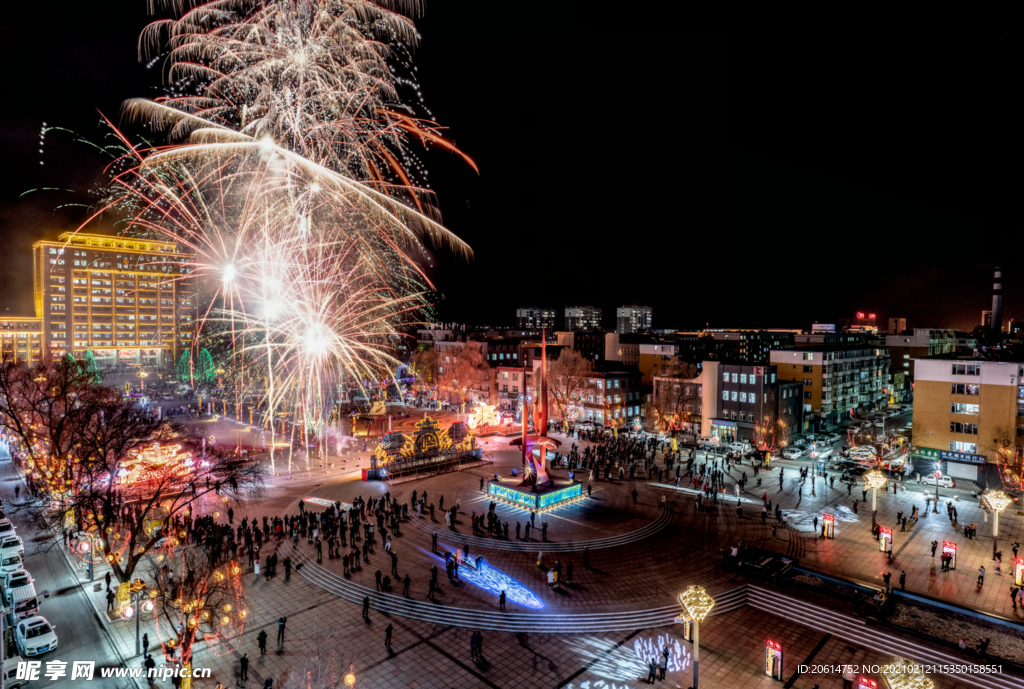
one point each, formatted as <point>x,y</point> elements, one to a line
<point>955,464</point>
<point>724,430</point>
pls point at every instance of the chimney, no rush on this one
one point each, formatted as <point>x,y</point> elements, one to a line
<point>997,301</point>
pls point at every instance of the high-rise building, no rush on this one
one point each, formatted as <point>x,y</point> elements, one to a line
<point>632,319</point>
<point>997,301</point>
<point>126,300</point>
<point>533,317</point>
<point>582,318</point>
<point>986,318</point>
<point>897,326</point>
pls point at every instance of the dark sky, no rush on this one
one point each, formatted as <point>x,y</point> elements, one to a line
<point>774,174</point>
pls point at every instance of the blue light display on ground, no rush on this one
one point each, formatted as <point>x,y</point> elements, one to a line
<point>495,581</point>
<point>561,495</point>
<point>524,499</point>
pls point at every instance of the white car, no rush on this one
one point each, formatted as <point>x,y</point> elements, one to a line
<point>11,545</point>
<point>800,442</point>
<point>822,453</point>
<point>944,481</point>
<point>11,563</point>
<point>794,453</point>
<point>735,447</point>
<point>708,441</point>
<point>833,437</point>
<point>6,528</point>
<point>34,636</point>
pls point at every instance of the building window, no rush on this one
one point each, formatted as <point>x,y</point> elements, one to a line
<point>969,428</point>
<point>807,395</point>
<point>743,378</point>
<point>735,395</point>
<point>726,376</point>
<point>958,446</point>
<point>735,378</point>
<point>964,389</point>
<point>808,382</point>
<point>807,369</point>
<point>773,377</point>
<point>725,395</point>
<point>743,397</point>
<point>958,408</point>
<point>966,370</point>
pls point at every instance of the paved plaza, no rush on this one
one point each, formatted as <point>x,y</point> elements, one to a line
<point>597,631</point>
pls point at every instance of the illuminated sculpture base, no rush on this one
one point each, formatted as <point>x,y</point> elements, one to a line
<point>554,494</point>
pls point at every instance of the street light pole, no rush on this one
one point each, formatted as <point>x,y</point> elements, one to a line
<point>697,603</point>
<point>997,501</point>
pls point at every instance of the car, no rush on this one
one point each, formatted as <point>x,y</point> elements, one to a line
<point>794,453</point>
<point>11,680</point>
<point>833,437</point>
<point>822,453</point>
<point>707,440</point>
<point>34,636</point>
<point>11,563</point>
<point>800,442</point>
<point>10,545</point>
<point>735,447</point>
<point>20,592</point>
<point>6,528</point>
<point>944,481</point>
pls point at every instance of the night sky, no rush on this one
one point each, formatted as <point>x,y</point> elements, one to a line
<point>766,178</point>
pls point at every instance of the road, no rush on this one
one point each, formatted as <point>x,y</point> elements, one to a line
<point>79,631</point>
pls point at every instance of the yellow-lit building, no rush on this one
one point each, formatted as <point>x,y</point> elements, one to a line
<point>21,339</point>
<point>129,301</point>
<point>967,411</point>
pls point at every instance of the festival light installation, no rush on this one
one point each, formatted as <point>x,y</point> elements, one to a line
<point>697,603</point>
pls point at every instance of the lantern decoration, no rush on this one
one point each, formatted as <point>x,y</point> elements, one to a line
<point>350,677</point>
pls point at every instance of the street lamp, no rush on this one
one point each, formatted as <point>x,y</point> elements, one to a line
<point>697,604</point>
<point>142,375</point>
<point>997,501</point>
<point>874,480</point>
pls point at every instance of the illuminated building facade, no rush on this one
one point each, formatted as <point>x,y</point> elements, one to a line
<point>21,339</point>
<point>582,318</point>
<point>632,318</point>
<point>129,301</point>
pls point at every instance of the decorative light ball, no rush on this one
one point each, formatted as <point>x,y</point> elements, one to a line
<point>224,621</point>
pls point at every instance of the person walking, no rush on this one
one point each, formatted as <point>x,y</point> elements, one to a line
<point>903,581</point>
<point>405,586</point>
<point>472,646</point>
<point>110,600</point>
<point>1013,596</point>
<point>145,644</point>
<point>281,622</point>
<point>935,544</point>
<point>886,577</point>
<point>366,608</point>
<point>501,602</point>
<point>387,636</point>
<point>243,667</point>
<point>256,569</point>
<point>261,640</point>
<point>981,575</point>
<point>377,577</point>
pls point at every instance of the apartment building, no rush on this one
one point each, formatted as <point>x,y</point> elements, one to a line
<point>839,378</point>
<point>968,410</point>
<point>748,346</point>
<point>905,347</point>
<point>632,318</point>
<point>613,398</point>
<point>21,339</point>
<point>582,318</point>
<point>532,317</point>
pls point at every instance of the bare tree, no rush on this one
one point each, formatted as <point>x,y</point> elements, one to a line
<point>107,467</point>
<point>567,380</point>
<point>464,370</point>
<point>678,398</point>
<point>1010,462</point>
<point>195,600</point>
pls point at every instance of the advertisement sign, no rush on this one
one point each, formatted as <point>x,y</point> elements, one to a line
<point>773,659</point>
<point>829,526</point>
<point>949,548</point>
<point>884,538</point>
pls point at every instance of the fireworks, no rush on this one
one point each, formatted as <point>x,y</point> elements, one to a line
<point>290,177</point>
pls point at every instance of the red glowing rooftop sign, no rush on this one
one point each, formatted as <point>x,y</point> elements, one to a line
<point>860,314</point>
<point>871,316</point>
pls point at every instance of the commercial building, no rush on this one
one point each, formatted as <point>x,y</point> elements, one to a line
<point>897,326</point>
<point>21,339</point>
<point>582,318</point>
<point>632,319</point>
<point>968,410</point>
<point>840,377</point>
<point>657,359</point>
<point>532,317</point>
<point>613,398</point>
<point>623,348</point>
<point>747,399</point>
<point>128,301</point>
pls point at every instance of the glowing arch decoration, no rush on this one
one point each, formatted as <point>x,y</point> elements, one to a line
<point>153,462</point>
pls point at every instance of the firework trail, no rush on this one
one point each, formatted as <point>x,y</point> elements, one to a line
<point>289,174</point>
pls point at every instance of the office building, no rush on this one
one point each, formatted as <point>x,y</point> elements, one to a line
<point>903,349</point>
<point>997,300</point>
<point>532,317</point>
<point>748,346</point>
<point>897,326</point>
<point>21,339</point>
<point>128,301</point>
<point>582,318</point>
<point>632,319</point>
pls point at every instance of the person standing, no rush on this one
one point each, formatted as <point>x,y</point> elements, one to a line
<point>935,544</point>
<point>886,577</point>
<point>243,667</point>
<point>387,635</point>
<point>981,575</point>
<point>261,640</point>
<point>281,622</point>
<point>652,670</point>
<point>145,644</point>
<point>366,608</point>
<point>405,586</point>
<point>256,569</point>
<point>472,646</point>
<point>903,581</point>
<point>501,602</point>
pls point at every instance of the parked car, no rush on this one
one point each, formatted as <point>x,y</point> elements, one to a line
<point>833,437</point>
<point>6,528</point>
<point>822,453</point>
<point>19,591</point>
<point>10,563</point>
<point>799,442</point>
<point>11,545</point>
<point>735,447</point>
<point>944,481</point>
<point>11,680</point>
<point>707,441</point>
<point>794,453</point>
<point>34,636</point>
